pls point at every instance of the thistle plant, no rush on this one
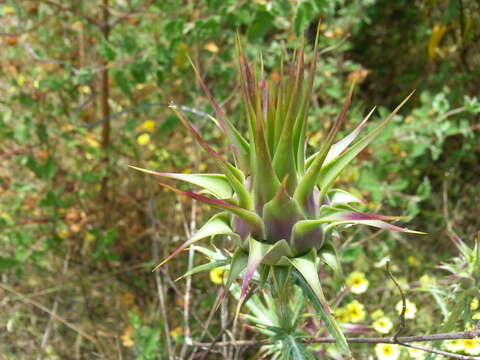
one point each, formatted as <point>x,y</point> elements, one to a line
<point>464,284</point>
<point>277,203</point>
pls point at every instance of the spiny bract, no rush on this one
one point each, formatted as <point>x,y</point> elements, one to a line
<point>276,202</point>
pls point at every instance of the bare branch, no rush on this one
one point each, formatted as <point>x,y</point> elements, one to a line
<point>160,285</point>
<point>360,340</point>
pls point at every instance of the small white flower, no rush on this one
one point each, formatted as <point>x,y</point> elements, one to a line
<point>471,347</point>
<point>454,346</point>
<point>387,351</point>
<point>383,325</point>
<point>357,282</point>
<point>410,309</point>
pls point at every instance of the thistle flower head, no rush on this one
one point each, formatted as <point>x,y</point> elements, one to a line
<point>276,201</point>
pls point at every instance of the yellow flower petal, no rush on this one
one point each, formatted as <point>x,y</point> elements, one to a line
<point>342,315</point>
<point>410,310</point>
<point>474,304</point>
<point>387,351</point>
<point>8,10</point>
<point>383,325</point>
<point>356,311</point>
<point>212,47</point>
<point>357,282</point>
<point>176,332</point>
<point>147,126</point>
<point>216,275</point>
<point>377,314</point>
<point>454,345</point>
<point>143,139</point>
<point>471,347</point>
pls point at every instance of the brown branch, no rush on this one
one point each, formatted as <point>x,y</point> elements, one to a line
<point>160,285</point>
<point>216,343</point>
<point>404,302</point>
<point>105,114</point>
<point>360,340</point>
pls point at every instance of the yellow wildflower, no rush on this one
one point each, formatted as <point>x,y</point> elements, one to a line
<point>216,275</point>
<point>126,337</point>
<point>377,314</point>
<point>175,333</point>
<point>342,315</point>
<point>476,316</point>
<point>147,126</point>
<point>63,233</point>
<point>143,139</point>
<point>413,261</point>
<point>474,304</point>
<point>471,347</point>
<point>212,47</point>
<point>21,80</point>
<point>77,25</point>
<point>357,282</point>
<point>387,351</point>
<point>426,280</point>
<point>454,345</point>
<point>383,325</point>
<point>410,311</point>
<point>89,237</point>
<point>153,164</point>
<point>91,141</point>
<point>6,218</point>
<point>356,311</point>
<point>8,10</point>
<point>85,89</point>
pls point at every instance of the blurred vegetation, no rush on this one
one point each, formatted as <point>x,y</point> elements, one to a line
<point>80,100</point>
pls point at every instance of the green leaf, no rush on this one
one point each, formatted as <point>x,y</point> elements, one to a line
<point>48,169</point>
<point>328,254</point>
<point>235,177</point>
<point>140,70</point>
<point>331,171</point>
<point>305,13</point>
<point>261,25</point>
<point>238,264</point>
<point>280,214</point>
<point>337,216</point>
<point>256,253</point>
<point>21,133</point>
<point>215,184</point>
<point>297,349</point>
<point>351,253</point>
<point>217,225</point>
<point>239,145</point>
<point>338,196</point>
<point>310,283</point>
<point>305,188</point>
<point>204,267</point>
<point>106,50</point>
<point>7,263</point>
<point>169,123</point>
<point>123,83</point>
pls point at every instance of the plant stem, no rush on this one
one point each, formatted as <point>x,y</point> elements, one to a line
<point>105,115</point>
<point>364,340</point>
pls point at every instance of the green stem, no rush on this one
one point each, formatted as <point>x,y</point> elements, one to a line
<point>282,293</point>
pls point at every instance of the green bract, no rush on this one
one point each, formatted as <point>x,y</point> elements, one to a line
<point>277,203</point>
